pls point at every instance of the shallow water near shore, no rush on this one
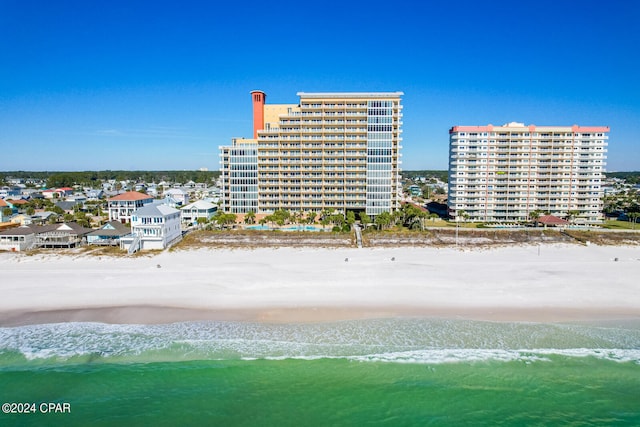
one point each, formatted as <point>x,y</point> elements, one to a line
<point>383,372</point>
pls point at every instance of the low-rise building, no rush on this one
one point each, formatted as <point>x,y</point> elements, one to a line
<point>17,239</point>
<point>109,234</point>
<point>66,235</point>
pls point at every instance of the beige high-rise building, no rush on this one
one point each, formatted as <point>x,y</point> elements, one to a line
<point>503,173</point>
<point>336,151</point>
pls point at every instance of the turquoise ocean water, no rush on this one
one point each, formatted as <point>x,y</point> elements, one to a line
<point>386,372</point>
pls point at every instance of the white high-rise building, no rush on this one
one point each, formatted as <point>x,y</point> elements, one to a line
<point>336,151</point>
<point>503,173</point>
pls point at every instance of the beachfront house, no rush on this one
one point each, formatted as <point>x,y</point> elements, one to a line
<point>155,226</point>
<point>196,210</point>
<point>17,239</point>
<point>109,234</point>
<point>122,206</point>
<point>66,235</point>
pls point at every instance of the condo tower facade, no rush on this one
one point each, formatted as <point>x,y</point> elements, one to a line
<point>337,151</point>
<point>504,173</point>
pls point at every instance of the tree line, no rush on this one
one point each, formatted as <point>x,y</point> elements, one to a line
<point>95,178</point>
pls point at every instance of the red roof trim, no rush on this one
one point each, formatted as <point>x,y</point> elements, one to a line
<point>131,195</point>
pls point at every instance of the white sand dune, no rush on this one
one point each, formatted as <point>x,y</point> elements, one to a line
<point>542,283</point>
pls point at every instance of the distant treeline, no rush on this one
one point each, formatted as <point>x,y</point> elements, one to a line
<point>94,178</point>
<point>441,175</point>
<point>629,177</point>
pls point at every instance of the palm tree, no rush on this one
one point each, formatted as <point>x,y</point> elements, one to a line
<point>534,215</point>
<point>383,220</point>
<point>311,217</point>
<point>633,216</point>
<point>365,219</point>
<point>250,217</point>
<point>571,215</point>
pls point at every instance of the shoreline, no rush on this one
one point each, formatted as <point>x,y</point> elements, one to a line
<point>155,315</point>
<point>525,283</point>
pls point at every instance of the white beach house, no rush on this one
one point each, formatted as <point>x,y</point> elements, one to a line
<point>200,209</point>
<point>122,206</point>
<point>178,195</point>
<point>154,226</point>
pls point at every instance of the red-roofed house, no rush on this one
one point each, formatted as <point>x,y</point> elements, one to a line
<point>123,205</point>
<point>57,192</point>
<point>552,221</point>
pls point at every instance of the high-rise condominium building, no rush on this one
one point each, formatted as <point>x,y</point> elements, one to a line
<point>503,173</point>
<point>336,151</point>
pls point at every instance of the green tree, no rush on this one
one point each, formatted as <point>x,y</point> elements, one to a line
<point>383,220</point>
<point>281,217</point>
<point>351,218</point>
<point>571,215</point>
<point>535,215</point>
<point>250,217</point>
<point>311,217</point>
<point>365,219</point>
<point>225,219</point>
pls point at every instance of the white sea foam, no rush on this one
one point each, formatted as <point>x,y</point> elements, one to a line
<point>385,340</point>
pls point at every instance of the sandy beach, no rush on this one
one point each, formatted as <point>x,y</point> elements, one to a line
<point>544,283</point>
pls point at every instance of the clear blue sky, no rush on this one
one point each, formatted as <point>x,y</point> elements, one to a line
<point>88,85</point>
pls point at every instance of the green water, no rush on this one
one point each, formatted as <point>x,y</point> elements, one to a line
<point>379,373</point>
<point>575,392</point>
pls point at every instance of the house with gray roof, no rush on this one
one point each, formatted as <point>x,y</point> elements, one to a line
<point>17,239</point>
<point>109,234</point>
<point>65,235</point>
<point>154,226</point>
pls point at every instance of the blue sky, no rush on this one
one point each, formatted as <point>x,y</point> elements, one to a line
<point>160,85</point>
